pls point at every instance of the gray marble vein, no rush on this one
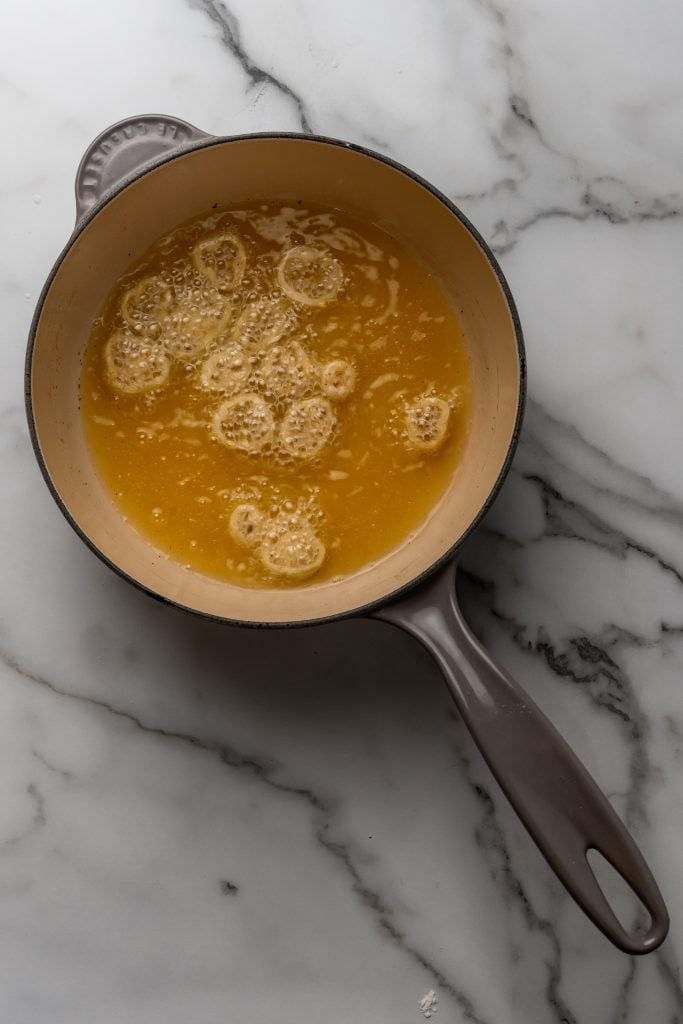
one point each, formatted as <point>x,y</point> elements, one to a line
<point>267,773</point>
<point>258,77</point>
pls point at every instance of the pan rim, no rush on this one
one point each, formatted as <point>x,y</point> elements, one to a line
<point>433,567</point>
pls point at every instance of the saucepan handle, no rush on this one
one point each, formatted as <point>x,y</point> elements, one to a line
<point>555,797</point>
<point>125,148</point>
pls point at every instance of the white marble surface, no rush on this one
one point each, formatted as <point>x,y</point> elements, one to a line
<point>202,824</point>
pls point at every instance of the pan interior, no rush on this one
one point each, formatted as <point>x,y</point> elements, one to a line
<point>247,171</point>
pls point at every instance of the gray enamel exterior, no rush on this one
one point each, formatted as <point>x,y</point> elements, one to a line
<point>557,800</point>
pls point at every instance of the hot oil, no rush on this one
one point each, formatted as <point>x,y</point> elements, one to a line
<point>368,487</point>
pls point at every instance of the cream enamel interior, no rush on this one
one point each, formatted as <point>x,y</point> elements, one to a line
<point>244,171</point>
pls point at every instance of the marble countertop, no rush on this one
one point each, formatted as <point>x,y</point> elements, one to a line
<point>206,824</point>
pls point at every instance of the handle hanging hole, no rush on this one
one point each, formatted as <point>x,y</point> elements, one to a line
<point>629,910</point>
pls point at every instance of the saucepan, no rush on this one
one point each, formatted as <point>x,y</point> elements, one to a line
<point>143,177</point>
